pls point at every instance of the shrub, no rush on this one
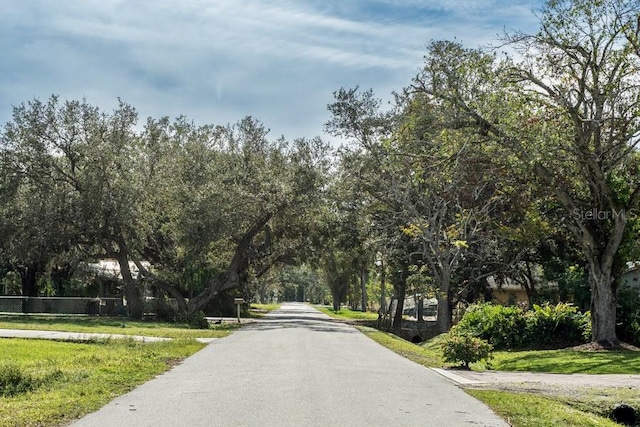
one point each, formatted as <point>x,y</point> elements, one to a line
<point>198,320</point>
<point>165,311</point>
<point>545,326</point>
<point>559,325</point>
<point>465,348</point>
<point>628,315</point>
<point>503,327</point>
<point>14,381</point>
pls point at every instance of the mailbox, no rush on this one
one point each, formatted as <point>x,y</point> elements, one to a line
<point>238,302</point>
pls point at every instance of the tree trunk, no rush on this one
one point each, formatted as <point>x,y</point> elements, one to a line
<point>262,292</point>
<point>132,293</point>
<point>29,281</point>
<point>603,306</point>
<point>600,253</point>
<point>444,301</point>
<point>29,284</point>
<point>236,272</point>
<point>363,285</point>
<point>400,288</point>
<point>383,298</point>
<point>420,309</point>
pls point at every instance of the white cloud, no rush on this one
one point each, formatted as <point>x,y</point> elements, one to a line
<point>218,60</point>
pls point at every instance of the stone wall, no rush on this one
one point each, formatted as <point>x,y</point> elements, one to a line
<point>415,331</point>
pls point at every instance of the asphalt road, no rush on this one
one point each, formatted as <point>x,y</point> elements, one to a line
<point>297,367</point>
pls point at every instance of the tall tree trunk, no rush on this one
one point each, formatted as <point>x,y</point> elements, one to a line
<point>420,309</point>
<point>29,284</point>
<point>400,287</point>
<point>601,253</point>
<point>29,281</point>
<point>444,300</point>
<point>363,285</point>
<point>603,303</point>
<point>132,292</point>
<point>603,312</point>
<point>383,297</point>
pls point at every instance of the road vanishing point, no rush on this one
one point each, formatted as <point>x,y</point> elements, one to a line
<point>296,367</point>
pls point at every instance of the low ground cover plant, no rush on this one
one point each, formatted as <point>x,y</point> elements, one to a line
<point>348,314</point>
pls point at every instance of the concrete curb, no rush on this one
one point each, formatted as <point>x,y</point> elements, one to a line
<point>455,378</point>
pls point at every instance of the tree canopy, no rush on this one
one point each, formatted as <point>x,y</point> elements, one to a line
<point>519,167</point>
<point>203,204</point>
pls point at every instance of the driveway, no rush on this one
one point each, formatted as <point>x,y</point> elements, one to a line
<point>297,367</point>
<point>532,379</point>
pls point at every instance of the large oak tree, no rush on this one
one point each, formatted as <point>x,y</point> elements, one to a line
<point>567,108</point>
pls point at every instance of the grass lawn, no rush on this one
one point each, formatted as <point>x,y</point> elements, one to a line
<point>428,354</point>
<point>531,410</point>
<point>48,383</point>
<point>567,361</point>
<point>112,325</point>
<point>259,310</point>
<point>347,314</point>
<point>265,307</point>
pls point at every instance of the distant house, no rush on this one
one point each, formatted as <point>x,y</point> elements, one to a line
<point>106,273</point>
<point>507,291</point>
<point>631,277</point>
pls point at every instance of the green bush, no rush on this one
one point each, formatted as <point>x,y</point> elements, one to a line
<point>501,326</point>
<point>559,325</point>
<point>14,380</point>
<point>198,320</point>
<point>545,326</point>
<point>628,315</point>
<point>165,311</point>
<point>465,348</point>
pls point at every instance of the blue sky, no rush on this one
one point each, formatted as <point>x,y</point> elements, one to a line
<point>216,61</point>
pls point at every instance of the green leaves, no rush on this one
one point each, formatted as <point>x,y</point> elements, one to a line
<point>202,203</point>
<point>465,349</point>
<point>544,326</point>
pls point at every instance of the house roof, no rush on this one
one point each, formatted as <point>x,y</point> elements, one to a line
<point>110,268</point>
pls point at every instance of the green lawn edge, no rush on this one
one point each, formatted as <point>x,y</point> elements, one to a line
<point>112,325</point>
<point>72,379</point>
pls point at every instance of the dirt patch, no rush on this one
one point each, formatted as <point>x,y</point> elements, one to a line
<point>594,346</point>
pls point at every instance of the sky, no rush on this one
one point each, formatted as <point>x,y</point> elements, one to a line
<point>217,61</point>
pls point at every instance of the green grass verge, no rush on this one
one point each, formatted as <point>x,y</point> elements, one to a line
<point>428,354</point>
<point>348,314</point>
<point>69,379</point>
<point>567,361</point>
<point>259,310</point>
<point>112,325</point>
<point>265,307</point>
<point>530,410</point>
